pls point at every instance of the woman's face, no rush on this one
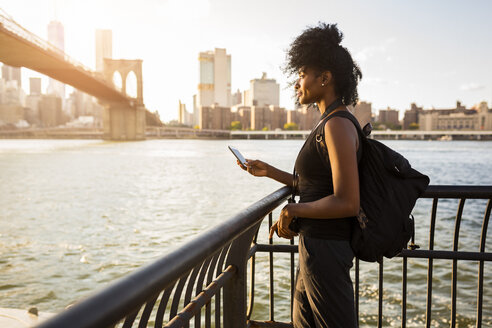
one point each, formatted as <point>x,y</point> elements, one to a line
<point>308,86</point>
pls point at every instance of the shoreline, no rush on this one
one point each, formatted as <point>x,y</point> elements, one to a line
<point>188,133</point>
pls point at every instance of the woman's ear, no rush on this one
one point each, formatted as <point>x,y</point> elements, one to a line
<point>326,77</point>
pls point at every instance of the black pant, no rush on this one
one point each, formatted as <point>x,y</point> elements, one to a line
<point>324,296</point>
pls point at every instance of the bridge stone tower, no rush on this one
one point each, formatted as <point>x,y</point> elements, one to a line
<point>123,121</point>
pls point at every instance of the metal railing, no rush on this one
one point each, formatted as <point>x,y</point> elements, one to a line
<point>204,283</point>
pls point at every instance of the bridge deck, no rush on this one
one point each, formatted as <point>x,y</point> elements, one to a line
<point>20,48</point>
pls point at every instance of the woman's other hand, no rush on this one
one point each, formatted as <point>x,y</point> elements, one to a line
<point>255,167</point>
<point>282,224</point>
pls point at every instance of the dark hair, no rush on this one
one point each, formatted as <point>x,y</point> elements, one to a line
<point>319,48</point>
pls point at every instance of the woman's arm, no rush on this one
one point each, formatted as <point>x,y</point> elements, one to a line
<point>262,169</point>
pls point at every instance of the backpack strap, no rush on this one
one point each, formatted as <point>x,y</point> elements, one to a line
<point>320,136</point>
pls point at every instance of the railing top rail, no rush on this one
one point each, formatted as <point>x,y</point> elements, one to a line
<point>449,191</point>
<point>113,303</point>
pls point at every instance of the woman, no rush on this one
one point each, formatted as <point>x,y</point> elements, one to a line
<point>328,185</point>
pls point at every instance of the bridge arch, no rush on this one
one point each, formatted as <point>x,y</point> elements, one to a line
<point>125,67</point>
<point>131,85</point>
<point>117,80</point>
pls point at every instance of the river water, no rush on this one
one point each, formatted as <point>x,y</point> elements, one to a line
<point>76,214</point>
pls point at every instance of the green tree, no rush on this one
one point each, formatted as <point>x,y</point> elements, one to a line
<point>236,125</point>
<point>291,126</point>
<point>414,126</point>
<point>265,128</point>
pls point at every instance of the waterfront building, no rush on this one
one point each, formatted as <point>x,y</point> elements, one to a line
<point>56,36</point>
<point>104,48</point>
<point>459,118</point>
<point>411,116</point>
<point>362,112</point>
<point>50,111</point>
<point>243,115</point>
<point>388,117</point>
<point>215,117</point>
<point>309,117</point>
<point>214,78</point>
<point>11,113</point>
<point>260,118</point>
<point>263,92</point>
<point>278,117</point>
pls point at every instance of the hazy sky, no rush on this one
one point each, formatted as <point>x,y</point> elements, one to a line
<point>429,52</point>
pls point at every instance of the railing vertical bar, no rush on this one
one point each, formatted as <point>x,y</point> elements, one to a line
<point>404,294</point>
<point>162,306</point>
<point>272,296</point>
<point>144,319</point>
<point>210,278</point>
<point>430,264</point>
<point>220,267</point>
<point>380,297</point>
<point>292,279</point>
<point>190,285</point>
<point>483,237</point>
<point>455,262</point>
<point>199,288</point>
<point>356,292</point>
<point>130,319</point>
<point>177,295</point>
<point>252,280</point>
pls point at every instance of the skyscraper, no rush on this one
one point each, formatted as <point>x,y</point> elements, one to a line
<point>215,78</point>
<point>10,73</point>
<point>104,47</point>
<point>56,36</point>
<point>35,85</point>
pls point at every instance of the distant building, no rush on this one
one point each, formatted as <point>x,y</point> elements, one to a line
<point>10,73</point>
<point>56,36</point>
<point>411,116</point>
<point>388,116</point>
<point>260,118</point>
<point>104,47</point>
<point>460,118</point>
<point>184,117</point>
<point>363,112</point>
<point>243,115</point>
<point>214,78</point>
<point>50,111</point>
<point>237,98</point>
<point>309,117</point>
<point>35,86</point>
<point>215,117</point>
<point>11,113</point>
<point>263,92</point>
<point>278,117</point>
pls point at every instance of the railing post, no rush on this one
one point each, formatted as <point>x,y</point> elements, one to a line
<point>235,291</point>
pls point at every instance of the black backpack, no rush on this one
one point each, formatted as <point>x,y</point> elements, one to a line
<point>389,188</point>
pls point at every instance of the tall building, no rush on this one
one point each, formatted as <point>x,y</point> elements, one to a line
<point>363,112</point>
<point>263,92</point>
<point>35,85</point>
<point>215,78</point>
<point>104,47</point>
<point>56,36</point>
<point>10,73</point>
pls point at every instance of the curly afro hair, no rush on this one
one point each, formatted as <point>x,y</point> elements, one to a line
<point>319,48</point>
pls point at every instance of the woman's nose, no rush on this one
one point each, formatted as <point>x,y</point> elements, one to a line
<point>297,86</point>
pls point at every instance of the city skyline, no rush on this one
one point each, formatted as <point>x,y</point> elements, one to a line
<point>432,54</point>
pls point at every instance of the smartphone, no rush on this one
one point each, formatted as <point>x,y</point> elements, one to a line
<point>238,155</point>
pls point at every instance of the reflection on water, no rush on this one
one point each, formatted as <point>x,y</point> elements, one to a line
<point>77,214</point>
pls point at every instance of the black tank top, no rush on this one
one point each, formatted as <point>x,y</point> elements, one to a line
<point>315,182</point>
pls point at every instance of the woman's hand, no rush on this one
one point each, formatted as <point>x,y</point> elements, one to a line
<point>255,167</point>
<point>283,222</point>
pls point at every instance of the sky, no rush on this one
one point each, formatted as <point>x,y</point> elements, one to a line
<point>433,53</point>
